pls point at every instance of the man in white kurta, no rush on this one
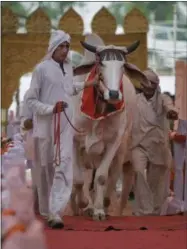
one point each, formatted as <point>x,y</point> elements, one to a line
<point>52,82</point>
<point>151,156</point>
<point>26,117</point>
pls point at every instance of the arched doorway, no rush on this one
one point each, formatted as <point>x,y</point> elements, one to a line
<point>24,84</point>
<point>25,81</point>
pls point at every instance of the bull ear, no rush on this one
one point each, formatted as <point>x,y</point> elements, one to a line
<point>80,70</point>
<point>135,73</point>
<point>133,47</point>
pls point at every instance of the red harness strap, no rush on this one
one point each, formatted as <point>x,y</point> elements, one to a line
<point>89,103</point>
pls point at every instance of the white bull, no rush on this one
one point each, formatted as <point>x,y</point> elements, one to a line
<point>104,145</point>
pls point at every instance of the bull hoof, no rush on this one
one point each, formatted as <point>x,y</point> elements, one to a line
<point>88,212</point>
<point>84,203</point>
<point>99,215</point>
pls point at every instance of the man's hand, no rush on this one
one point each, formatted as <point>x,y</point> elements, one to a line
<point>28,124</point>
<point>173,115</point>
<point>60,106</point>
<point>94,81</point>
<point>180,138</point>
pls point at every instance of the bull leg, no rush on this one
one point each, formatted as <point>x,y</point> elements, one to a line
<point>73,203</point>
<point>100,187</point>
<point>78,200</point>
<point>81,199</point>
<point>88,211</point>
<point>127,182</point>
<point>78,197</point>
<point>114,172</point>
<point>101,178</point>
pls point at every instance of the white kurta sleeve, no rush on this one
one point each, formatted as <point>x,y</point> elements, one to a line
<point>32,99</point>
<point>25,111</point>
<point>168,103</point>
<point>74,88</point>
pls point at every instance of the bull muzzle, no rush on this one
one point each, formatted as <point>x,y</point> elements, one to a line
<point>114,95</point>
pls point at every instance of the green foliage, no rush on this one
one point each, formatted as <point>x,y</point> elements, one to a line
<point>57,9</point>
<point>163,10</point>
<point>16,7</point>
<point>119,10</point>
<point>53,9</point>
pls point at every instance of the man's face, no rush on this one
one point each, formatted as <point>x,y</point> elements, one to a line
<point>61,52</point>
<point>149,91</point>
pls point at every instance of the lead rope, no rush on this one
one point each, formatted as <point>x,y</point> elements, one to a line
<point>57,119</point>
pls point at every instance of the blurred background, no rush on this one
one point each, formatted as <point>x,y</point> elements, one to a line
<point>166,39</point>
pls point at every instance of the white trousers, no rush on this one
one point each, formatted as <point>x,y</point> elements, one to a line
<point>54,183</point>
<point>151,184</point>
<point>43,172</point>
<point>63,176</point>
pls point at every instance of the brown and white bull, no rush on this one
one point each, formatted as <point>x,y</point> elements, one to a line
<point>104,145</point>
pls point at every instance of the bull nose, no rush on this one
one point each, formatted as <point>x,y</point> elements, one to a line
<point>114,94</point>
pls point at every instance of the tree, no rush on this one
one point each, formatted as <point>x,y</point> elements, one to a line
<point>16,7</point>
<point>163,10</point>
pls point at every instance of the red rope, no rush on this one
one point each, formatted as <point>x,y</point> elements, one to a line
<point>57,121</point>
<point>72,124</point>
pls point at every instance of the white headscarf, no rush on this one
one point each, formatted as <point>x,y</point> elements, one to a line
<point>57,37</point>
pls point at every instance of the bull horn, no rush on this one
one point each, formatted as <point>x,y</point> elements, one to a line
<point>133,47</point>
<point>89,47</point>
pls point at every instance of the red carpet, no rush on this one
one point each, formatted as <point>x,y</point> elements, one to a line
<point>120,233</point>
